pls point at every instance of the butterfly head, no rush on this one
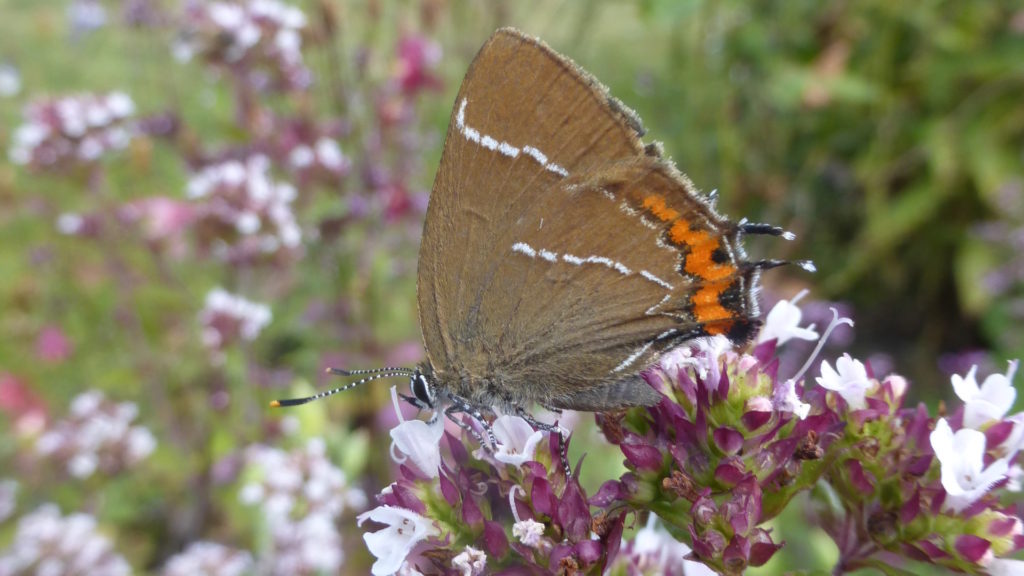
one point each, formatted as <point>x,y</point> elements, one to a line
<point>424,392</point>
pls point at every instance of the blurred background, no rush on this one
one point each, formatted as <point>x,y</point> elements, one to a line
<point>203,205</point>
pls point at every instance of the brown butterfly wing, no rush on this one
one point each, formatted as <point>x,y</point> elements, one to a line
<point>559,255</point>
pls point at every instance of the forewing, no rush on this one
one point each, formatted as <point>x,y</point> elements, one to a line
<point>559,255</point>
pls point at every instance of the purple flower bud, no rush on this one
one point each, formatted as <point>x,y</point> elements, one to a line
<point>609,492</point>
<point>573,514</point>
<point>449,491</point>
<point>458,449</point>
<point>757,412</point>
<point>540,495</point>
<point>730,471</point>
<point>762,548</point>
<point>735,555</point>
<point>704,510</point>
<point>471,514</point>
<point>972,548</point>
<point>765,351</point>
<point>999,432</point>
<point>588,551</point>
<point>920,465</point>
<point>1004,526</point>
<point>639,453</point>
<point>495,540</point>
<point>911,508</point>
<point>727,439</point>
<point>709,545</point>
<point>861,480</point>
<point>743,510</point>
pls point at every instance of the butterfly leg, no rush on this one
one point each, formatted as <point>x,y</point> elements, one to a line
<point>460,406</point>
<point>563,447</point>
<point>465,406</point>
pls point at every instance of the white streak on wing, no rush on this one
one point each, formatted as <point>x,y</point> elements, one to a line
<point>632,357</point>
<point>650,311</point>
<point>607,194</point>
<point>619,267</point>
<point>504,148</point>
<point>508,150</point>
<point>536,155</point>
<point>656,280</point>
<point>524,248</point>
<point>460,117</point>
<point>666,334</point>
<point>557,169</point>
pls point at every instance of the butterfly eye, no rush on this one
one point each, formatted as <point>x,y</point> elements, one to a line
<point>421,389</point>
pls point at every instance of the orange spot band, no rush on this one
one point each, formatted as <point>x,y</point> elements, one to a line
<point>656,204</point>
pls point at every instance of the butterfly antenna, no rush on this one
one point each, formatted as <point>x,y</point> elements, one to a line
<point>343,372</point>
<point>376,375</point>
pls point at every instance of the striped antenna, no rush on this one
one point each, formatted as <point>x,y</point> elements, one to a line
<point>343,372</point>
<point>376,375</point>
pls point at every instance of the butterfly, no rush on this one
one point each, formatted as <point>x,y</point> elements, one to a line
<point>561,254</point>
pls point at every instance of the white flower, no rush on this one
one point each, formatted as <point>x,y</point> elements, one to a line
<point>702,354</point>
<point>47,543</point>
<point>10,81</point>
<point>208,558</point>
<point>404,529</point>
<point>657,552</point>
<point>330,154</point>
<point>1005,567</point>
<point>785,399</point>
<point>988,402</point>
<point>470,562</point>
<point>408,570</point>
<point>850,381</point>
<point>517,440</point>
<point>528,532</point>
<point>783,323</point>
<point>961,457</point>
<point>417,441</point>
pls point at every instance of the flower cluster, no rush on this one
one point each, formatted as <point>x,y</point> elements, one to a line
<point>722,452</point>
<point>451,512</point>
<point>301,496</point>
<point>72,131</point>
<point>227,318</point>
<point>48,543</point>
<point>98,435</point>
<point>312,157</point>
<point>209,559</point>
<point>257,41</point>
<point>242,214</point>
<point>729,446</point>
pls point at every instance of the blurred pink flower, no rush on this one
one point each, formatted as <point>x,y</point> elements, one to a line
<point>160,218</point>
<point>23,405</point>
<point>417,58</point>
<point>52,345</point>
